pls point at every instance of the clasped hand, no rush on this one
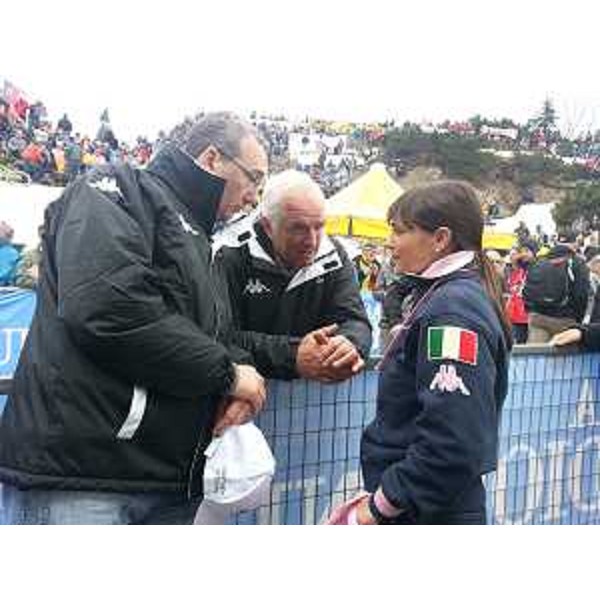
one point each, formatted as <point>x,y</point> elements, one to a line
<point>327,357</point>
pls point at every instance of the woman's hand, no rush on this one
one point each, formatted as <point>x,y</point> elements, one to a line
<point>363,514</point>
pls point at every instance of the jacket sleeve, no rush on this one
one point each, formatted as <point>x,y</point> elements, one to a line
<point>596,309</point>
<point>456,427</point>
<point>110,299</point>
<point>581,288</point>
<point>273,355</point>
<point>591,336</point>
<point>345,307</point>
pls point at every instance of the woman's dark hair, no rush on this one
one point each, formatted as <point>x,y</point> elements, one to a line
<point>453,204</point>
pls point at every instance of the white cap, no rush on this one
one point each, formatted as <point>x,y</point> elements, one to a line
<point>238,471</point>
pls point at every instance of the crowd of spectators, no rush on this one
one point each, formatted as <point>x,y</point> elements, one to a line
<point>583,149</point>
<point>54,153</point>
<point>550,283</point>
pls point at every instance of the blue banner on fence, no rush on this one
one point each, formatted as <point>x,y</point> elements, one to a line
<point>548,470</point>
<point>548,457</point>
<point>16,311</point>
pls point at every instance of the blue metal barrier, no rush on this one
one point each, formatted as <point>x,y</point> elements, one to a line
<point>549,444</point>
<point>16,311</point>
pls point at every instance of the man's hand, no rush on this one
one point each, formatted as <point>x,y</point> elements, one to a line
<point>308,355</point>
<point>564,338</point>
<point>249,386</point>
<point>341,358</point>
<point>245,401</point>
<point>233,411</point>
<point>327,357</point>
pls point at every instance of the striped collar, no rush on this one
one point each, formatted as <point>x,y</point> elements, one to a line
<point>249,232</point>
<point>326,260</point>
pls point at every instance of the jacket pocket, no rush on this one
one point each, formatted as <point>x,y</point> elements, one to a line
<point>137,409</point>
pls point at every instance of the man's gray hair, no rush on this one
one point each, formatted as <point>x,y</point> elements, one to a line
<point>281,186</point>
<point>224,130</point>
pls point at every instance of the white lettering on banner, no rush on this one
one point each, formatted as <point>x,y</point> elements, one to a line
<point>533,490</point>
<point>271,515</point>
<point>556,454</point>
<point>584,413</point>
<point>576,477</point>
<point>349,482</point>
<point>12,351</point>
<point>570,469</point>
<point>562,474</point>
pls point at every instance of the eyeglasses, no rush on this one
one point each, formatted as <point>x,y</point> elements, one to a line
<point>254,175</point>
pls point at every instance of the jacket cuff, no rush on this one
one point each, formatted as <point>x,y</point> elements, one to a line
<point>395,495</point>
<point>384,506</point>
<point>590,336</point>
<point>232,377</point>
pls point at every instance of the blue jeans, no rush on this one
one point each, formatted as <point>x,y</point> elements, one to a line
<point>58,507</point>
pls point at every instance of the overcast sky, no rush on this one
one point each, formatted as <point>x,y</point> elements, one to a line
<point>421,60</point>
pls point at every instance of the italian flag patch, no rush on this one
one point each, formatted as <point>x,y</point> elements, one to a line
<point>453,343</point>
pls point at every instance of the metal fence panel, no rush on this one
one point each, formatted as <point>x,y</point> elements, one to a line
<point>549,444</point>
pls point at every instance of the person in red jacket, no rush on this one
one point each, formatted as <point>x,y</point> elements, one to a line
<point>515,305</point>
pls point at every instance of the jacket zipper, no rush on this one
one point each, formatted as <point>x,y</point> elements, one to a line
<point>201,436</point>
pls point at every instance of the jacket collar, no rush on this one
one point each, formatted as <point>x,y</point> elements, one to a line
<point>263,241</point>
<point>326,260</point>
<point>250,232</point>
<point>197,189</point>
<point>448,265</point>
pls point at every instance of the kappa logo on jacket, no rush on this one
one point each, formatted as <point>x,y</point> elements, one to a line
<point>255,287</point>
<point>107,185</point>
<point>448,380</point>
<point>186,226</point>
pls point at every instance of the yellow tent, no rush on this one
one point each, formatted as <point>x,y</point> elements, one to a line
<point>498,241</point>
<point>360,209</point>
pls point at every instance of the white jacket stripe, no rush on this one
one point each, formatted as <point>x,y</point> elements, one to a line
<point>136,414</point>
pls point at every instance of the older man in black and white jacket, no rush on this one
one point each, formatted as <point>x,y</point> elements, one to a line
<point>284,277</point>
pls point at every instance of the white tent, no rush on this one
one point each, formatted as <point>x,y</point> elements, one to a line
<point>532,215</point>
<point>22,207</point>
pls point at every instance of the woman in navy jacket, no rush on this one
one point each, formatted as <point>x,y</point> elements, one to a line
<point>444,376</point>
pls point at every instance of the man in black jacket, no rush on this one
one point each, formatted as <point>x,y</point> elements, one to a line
<point>588,333</point>
<point>285,278</point>
<point>124,375</point>
<point>556,292</point>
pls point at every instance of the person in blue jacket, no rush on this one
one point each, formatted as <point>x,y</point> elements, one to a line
<point>9,256</point>
<point>443,378</point>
